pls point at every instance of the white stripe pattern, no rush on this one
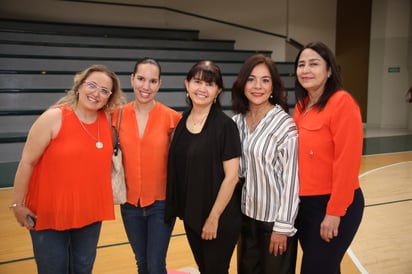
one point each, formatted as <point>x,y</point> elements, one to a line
<point>269,165</point>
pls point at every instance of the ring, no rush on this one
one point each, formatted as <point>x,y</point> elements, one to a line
<point>280,247</point>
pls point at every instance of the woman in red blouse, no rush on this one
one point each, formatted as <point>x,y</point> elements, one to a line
<point>330,150</point>
<point>63,181</point>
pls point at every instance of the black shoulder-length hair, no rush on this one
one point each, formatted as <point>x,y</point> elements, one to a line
<point>333,83</point>
<point>240,104</point>
<point>208,71</point>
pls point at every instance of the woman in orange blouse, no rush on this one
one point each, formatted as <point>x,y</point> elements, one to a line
<point>146,127</point>
<point>62,188</point>
<point>330,150</point>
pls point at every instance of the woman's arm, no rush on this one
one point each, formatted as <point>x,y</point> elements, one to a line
<point>347,133</point>
<point>231,167</point>
<point>43,130</point>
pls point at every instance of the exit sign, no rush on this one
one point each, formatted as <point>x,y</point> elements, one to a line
<point>394,69</point>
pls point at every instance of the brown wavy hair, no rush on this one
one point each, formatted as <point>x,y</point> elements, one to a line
<point>240,103</point>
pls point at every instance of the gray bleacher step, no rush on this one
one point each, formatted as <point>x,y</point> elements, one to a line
<point>55,39</point>
<point>11,50</point>
<point>96,30</point>
<point>73,65</point>
<point>63,82</point>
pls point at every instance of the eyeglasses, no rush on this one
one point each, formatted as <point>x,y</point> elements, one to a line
<point>93,86</point>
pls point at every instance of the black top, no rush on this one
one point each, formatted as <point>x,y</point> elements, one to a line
<point>195,170</point>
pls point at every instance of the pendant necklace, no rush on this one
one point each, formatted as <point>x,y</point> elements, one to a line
<point>198,123</point>
<point>196,126</point>
<point>99,144</point>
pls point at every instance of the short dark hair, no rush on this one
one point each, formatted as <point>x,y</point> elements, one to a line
<point>209,72</point>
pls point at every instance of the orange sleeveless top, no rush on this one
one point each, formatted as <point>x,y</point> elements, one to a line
<point>71,184</point>
<point>145,158</point>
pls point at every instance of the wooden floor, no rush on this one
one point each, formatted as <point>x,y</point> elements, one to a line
<point>382,245</point>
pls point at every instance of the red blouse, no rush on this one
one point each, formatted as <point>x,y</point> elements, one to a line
<point>71,184</point>
<point>330,151</point>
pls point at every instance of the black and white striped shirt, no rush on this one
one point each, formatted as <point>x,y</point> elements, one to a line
<point>269,165</point>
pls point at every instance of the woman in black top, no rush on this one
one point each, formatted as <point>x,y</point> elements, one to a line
<point>203,172</point>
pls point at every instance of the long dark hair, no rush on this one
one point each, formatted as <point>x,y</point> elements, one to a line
<point>333,83</point>
<point>209,72</point>
<point>240,104</point>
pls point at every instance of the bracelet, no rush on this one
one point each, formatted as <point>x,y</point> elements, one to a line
<point>14,205</point>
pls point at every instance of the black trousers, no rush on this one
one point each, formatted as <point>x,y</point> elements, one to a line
<point>213,256</point>
<point>320,257</point>
<point>253,255</point>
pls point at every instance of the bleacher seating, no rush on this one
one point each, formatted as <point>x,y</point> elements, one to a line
<point>38,61</point>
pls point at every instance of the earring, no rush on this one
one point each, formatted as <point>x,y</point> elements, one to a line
<point>187,94</point>
<point>214,101</point>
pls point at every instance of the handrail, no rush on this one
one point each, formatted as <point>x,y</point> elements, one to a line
<point>290,41</point>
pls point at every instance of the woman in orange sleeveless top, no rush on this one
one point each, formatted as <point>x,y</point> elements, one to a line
<point>146,127</point>
<point>62,188</point>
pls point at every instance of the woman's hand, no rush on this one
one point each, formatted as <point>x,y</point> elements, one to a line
<point>21,212</point>
<point>209,230</point>
<point>329,227</point>
<point>278,243</point>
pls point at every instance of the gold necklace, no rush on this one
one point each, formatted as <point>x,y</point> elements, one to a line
<point>99,144</point>
<point>198,123</point>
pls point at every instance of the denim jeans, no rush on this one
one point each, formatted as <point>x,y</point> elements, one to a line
<point>70,251</point>
<point>148,235</point>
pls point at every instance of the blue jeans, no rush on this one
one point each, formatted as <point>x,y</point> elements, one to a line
<point>149,235</point>
<point>69,251</point>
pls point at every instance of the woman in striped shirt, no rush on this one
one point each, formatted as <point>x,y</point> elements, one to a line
<point>268,167</point>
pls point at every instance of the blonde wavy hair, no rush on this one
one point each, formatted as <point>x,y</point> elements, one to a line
<point>116,99</point>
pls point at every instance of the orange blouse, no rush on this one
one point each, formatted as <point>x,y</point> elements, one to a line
<point>330,151</point>
<point>71,184</point>
<point>145,159</point>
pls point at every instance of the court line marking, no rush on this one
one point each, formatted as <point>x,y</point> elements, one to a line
<point>351,254</point>
<point>383,167</point>
<point>98,247</point>
<point>356,261</point>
